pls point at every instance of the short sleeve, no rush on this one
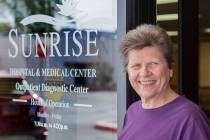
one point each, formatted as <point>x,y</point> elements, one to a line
<point>197,130</point>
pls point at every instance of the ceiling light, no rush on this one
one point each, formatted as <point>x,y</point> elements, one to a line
<point>207,30</point>
<point>167,17</point>
<point>172,33</point>
<point>166,1</point>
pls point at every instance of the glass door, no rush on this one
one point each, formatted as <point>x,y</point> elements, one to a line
<point>59,69</point>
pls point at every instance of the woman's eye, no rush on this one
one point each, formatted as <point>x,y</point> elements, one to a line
<point>136,66</point>
<point>154,63</point>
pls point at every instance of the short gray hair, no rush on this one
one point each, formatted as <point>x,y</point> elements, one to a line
<point>147,35</point>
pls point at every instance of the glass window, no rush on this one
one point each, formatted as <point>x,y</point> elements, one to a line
<point>58,72</point>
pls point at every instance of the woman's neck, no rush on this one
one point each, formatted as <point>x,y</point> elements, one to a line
<point>159,100</point>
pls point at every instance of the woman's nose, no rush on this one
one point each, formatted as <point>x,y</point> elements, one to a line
<point>144,71</point>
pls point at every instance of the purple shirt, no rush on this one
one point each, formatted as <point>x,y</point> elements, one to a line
<point>178,120</point>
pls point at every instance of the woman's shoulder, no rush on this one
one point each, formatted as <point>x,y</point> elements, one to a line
<point>190,110</point>
<point>134,107</point>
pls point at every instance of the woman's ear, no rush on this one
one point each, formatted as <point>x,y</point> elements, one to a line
<point>171,73</point>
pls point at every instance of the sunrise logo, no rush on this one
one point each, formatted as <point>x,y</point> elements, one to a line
<point>68,8</point>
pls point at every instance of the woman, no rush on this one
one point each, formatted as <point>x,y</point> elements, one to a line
<point>161,114</point>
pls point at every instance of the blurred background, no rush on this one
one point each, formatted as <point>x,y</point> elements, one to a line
<point>167,17</point>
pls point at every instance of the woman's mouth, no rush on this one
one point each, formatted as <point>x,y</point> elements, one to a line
<point>147,82</point>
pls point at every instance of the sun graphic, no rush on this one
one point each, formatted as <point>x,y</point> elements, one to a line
<point>54,81</point>
<point>68,8</point>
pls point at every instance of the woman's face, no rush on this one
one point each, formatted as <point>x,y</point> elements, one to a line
<point>148,72</point>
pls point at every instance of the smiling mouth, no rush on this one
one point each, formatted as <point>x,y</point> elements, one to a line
<point>147,82</point>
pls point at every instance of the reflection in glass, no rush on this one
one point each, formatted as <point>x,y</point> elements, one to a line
<point>67,62</point>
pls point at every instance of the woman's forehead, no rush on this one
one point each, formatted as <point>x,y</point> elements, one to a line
<point>150,51</point>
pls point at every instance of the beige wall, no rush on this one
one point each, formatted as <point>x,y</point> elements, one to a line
<point>204,62</point>
<point>204,65</point>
